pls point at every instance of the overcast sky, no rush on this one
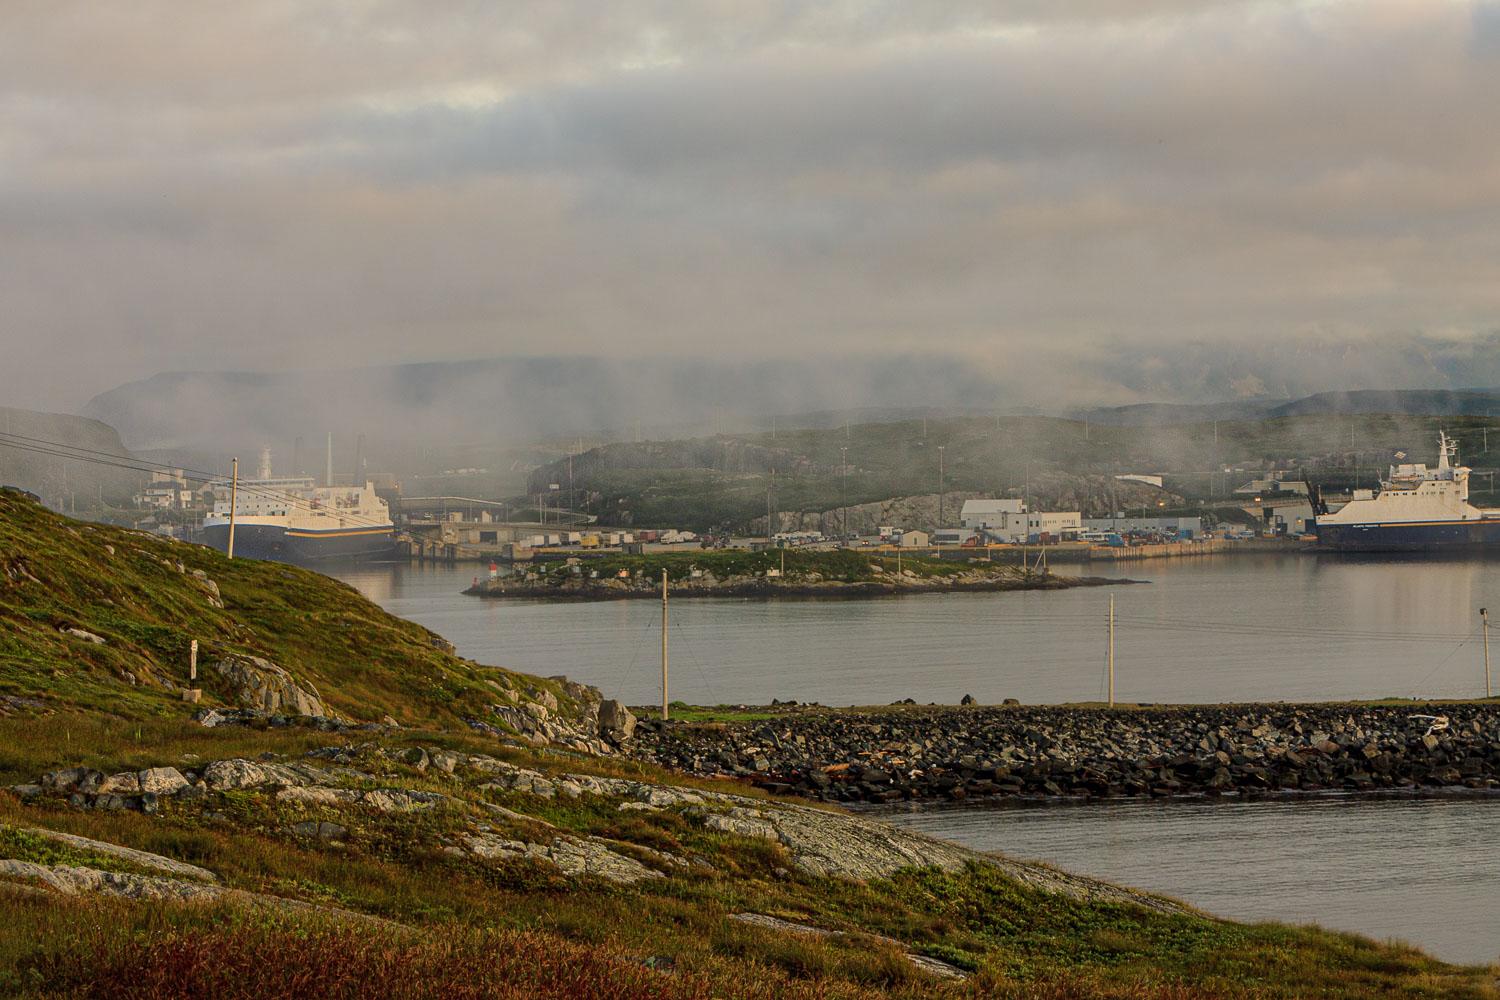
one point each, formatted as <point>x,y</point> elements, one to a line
<point>277,185</point>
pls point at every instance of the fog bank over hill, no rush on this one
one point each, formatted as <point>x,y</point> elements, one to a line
<point>522,399</point>
<point>29,461</point>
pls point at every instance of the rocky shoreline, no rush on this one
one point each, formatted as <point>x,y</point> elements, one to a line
<point>759,587</point>
<point>948,754</point>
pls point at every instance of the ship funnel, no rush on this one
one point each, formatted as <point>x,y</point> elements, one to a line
<point>264,472</point>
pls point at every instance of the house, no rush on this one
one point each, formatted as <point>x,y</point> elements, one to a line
<point>165,497</point>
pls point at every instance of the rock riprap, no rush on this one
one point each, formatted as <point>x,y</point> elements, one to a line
<point>954,754</point>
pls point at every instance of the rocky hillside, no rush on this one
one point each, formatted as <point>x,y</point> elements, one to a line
<point>428,865</point>
<point>101,618</point>
<point>1093,496</point>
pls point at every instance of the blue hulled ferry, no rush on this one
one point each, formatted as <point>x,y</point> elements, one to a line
<point>1417,509</point>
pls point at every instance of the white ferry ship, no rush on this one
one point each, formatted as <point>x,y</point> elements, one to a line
<point>292,520</point>
<point>1417,509</point>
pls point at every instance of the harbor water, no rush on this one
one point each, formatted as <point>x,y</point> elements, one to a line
<point>1215,629</point>
<point>1212,629</point>
<point>1425,871</point>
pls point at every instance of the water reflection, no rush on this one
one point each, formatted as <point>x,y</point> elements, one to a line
<point>1204,630</point>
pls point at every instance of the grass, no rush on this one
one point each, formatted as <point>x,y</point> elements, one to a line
<point>57,574</point>
<point>1017,941</point>
<point>465,927</point>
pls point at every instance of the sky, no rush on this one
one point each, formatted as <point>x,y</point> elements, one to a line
<point>274,185</point>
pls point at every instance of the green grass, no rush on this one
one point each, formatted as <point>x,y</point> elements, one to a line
<point>55,573</point>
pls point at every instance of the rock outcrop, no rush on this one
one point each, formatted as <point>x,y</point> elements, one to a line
<point>263,685</point>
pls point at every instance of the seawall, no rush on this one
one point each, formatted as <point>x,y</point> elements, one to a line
<point>951,754</point>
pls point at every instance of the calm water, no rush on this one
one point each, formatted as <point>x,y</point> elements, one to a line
<point>1206,630</point>
<point>1424,871</point>
<point>1203,630</point>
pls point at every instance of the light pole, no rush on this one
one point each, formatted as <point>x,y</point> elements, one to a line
<point>1484,617</point>
<point>940,484</point>
<point>844,494</point>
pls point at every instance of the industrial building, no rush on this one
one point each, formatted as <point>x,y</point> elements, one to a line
<point>988,513</point>
<point>1010,521</point>
<point>1177,527</point>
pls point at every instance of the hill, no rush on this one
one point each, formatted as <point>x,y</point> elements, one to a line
<point>98,618</point>
<point>1424,402</point>
<point>1057,464</point>
<point>150,850</point>
<point>27,461</point>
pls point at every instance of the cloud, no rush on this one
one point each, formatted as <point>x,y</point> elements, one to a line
<point>284,186</point>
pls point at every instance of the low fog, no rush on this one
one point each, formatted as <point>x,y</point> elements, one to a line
<point>556,400</point>
<point>730,206</point>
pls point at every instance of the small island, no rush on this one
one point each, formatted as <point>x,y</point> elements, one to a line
<point>768,573</point>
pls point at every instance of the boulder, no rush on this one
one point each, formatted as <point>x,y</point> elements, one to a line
<point>124,783</point>
<point>229,775</point>
<point>162,781</point>
<point>73,779</point>
<point>615,720</point>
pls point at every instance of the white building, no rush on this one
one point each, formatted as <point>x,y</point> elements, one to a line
<point>169,497</point>
<point>1193,526</point>
<point>988,513</point>
<point>1010,521</point>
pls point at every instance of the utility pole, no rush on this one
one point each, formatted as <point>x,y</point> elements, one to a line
<point>1111,650</point>
<point>1485,618</point>
<point>844,494</point>
<point>940,484</point>
<point>234,489</point>
<point>664,644</point>
<point>769,528</point>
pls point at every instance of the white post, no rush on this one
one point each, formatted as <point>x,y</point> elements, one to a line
<point>234,489</point>
<point>1485,618</point>
<point>1111,650</point>
<point>664,644</point>
<point>193,660</point>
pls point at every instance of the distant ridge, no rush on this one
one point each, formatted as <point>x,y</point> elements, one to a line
<point>1414,402</point>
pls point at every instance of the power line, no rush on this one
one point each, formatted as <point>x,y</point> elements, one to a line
<point>57,449</point>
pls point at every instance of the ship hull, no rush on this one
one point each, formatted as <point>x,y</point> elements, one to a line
<point>300,545</point>
<point>1434,536</point>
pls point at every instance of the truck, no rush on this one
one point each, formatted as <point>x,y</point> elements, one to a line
<point>1107,539</point>
<point>589,541</point>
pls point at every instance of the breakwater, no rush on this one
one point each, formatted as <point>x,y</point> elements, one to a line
<point>953,754</point>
